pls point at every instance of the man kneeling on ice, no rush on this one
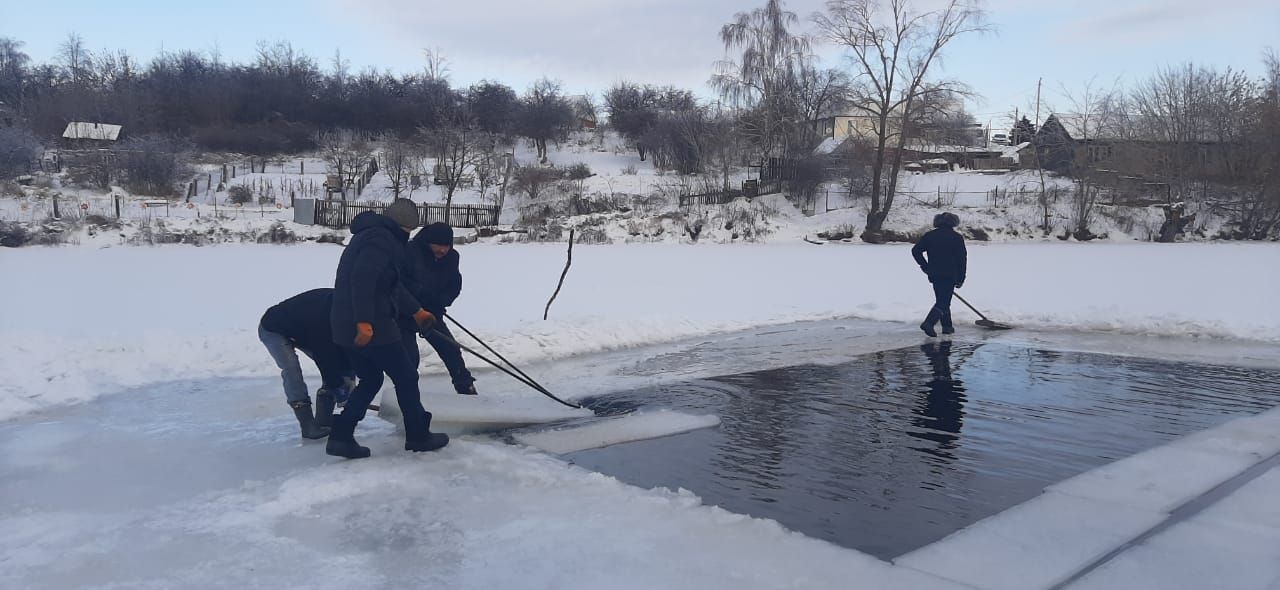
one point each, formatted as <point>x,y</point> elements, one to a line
<point>369,294</point>
<point>301,323</point>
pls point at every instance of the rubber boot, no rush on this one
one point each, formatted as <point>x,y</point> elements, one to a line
<point>947,326</point>
<point>929,321</point>
<point>324,408</point>
<point>342,441</point>
<point>418,436</point>
<point>310,429</point>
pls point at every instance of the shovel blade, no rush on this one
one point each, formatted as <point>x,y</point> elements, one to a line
<point>990,325</point>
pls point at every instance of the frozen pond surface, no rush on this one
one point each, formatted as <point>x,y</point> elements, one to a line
<point>204,483</point>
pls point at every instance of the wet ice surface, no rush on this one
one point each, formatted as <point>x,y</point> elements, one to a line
<point>204,484</point>
<point>896,449</point>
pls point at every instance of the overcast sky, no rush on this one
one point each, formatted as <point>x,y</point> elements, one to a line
<point>589,44</point>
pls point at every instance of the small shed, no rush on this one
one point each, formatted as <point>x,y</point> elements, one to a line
<point>82,131</point>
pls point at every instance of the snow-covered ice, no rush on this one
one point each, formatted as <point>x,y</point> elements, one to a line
<point>80,321</point>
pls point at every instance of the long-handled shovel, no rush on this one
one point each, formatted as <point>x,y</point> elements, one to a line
<point>984,322</point>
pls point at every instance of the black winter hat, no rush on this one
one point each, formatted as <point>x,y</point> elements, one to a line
<point>439,233</point>
<point>947,219</point>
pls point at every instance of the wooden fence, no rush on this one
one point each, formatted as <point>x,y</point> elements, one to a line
<point>338,214</point>
<point>750,188</point>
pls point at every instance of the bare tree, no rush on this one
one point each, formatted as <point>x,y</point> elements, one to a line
<point>13,72</point>
<point>764,79</point>
<point>1090,112</point>
<point>399,160</point>
<point>346,154</point>
<point>894,48</point>
<point>458,149</point>
<point>75,57</point>
<point>437,66</point>
<point>545,116</point>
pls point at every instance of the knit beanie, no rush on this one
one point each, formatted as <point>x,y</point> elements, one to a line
<point>404,213</point>
<point>439,233</point>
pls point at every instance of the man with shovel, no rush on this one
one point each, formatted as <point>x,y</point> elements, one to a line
<point>437,283</point>
<point>945,266</point>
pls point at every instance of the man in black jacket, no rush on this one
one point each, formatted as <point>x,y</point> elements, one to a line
<point>946,266</point>
<point>369,294</point>
<point>301,323</point>
<point>437,283</point>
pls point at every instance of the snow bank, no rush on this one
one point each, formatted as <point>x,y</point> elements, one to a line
<point>79,322</point>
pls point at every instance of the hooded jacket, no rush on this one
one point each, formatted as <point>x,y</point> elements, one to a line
<point>305,320</point>
<point>436,282</point>
<point>370,286</point>
<point>948,260</point>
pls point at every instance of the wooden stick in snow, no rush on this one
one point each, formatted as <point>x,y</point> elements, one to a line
<point>567,263</point>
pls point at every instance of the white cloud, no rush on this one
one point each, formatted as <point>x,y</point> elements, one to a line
<point>585,43</point>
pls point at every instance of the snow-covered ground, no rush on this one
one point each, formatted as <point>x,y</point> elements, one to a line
<point>80,321</point>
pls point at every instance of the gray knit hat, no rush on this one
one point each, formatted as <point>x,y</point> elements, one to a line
<point>404,213</point>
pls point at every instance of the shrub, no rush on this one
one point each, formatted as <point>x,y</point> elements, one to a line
<point>240,194</point>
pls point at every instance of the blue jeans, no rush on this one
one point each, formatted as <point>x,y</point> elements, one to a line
<point>286,357</point>
<point>285,353</point>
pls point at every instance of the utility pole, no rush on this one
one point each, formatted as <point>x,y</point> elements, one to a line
<point>1035,146</point>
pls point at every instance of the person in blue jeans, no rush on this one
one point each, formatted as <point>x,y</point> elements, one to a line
<point>301,323</point>
<point>370,292</point>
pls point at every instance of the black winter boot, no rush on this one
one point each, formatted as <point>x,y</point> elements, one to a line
<point>433,441</point>
<point>947,326</point>
<point>342,441</point>
<point>310,429</point>
<point>468,389</point>
<point>929,321</point>
<point>418,436</point>
<point>324,408</point>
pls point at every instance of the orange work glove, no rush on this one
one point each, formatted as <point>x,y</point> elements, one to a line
<point>364,333</point>
<point>424,318</point>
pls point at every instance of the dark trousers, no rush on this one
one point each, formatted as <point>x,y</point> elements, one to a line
<point>943,290</point>
<point>448,352</point>
<point>451,356</point>
<point>371,363</point>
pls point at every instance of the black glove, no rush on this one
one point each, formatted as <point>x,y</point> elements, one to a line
<point>958,285</point>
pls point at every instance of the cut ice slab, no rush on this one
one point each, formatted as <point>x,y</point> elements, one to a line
<point>475,414</point>
<point>612,431</point>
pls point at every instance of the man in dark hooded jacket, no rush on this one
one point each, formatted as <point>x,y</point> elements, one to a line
<point>369,294</point>
<point>301,323</point>
<point>946,265</point>
<point>437,283</point>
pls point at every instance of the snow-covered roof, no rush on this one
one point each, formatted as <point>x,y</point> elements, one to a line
<point>97,131</point>
<point>937,161</point>
<point>827,146</point>
<point>1080,127</point>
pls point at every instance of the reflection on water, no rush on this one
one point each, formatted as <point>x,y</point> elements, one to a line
<point>894,450</point>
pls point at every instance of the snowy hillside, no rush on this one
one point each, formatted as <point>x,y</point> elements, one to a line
<point>625,200</point>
